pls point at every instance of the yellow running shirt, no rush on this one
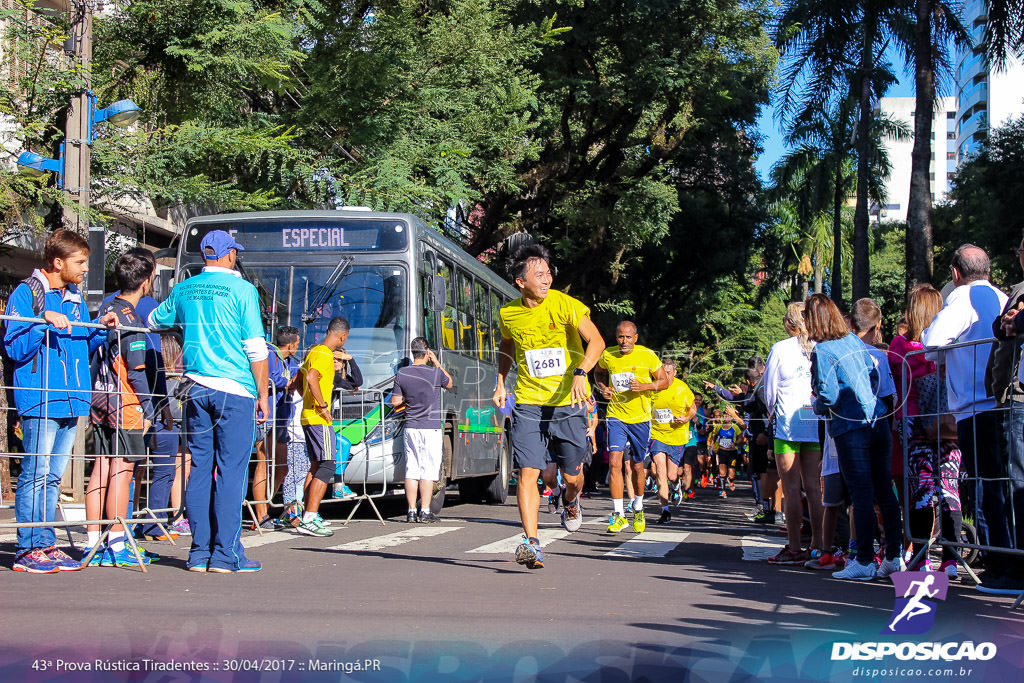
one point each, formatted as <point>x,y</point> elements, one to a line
<point>321,359</point>
<point>548,347</point>
<point>669,403</point>
<point>641,364</point>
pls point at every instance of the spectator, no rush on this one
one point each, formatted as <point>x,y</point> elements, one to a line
<point>122,412</point>
<point>51,390</point>
<point>970,310</point>
<point>417,388</point>
<point>319,370</point>
<point>225,357</point>
<point>845,379</point>
<point>283,371</point>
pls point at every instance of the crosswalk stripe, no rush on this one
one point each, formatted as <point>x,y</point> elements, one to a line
<point>760,548</point>
<point>649,544</point>
<point>398,538</point>
<point>508,545</point>
<point>267,538</point>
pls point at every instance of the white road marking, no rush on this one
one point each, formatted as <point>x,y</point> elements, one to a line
<point>395,539</point>
<point>649,544</point>
<point>267,538</point>
<point>760,548</point>
<point>508,545</point>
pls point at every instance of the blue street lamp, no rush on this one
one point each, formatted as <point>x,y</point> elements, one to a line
<point>121,114</point>
<point>35,165</point>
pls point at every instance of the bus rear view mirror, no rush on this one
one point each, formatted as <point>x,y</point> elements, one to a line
<point>438,295</point>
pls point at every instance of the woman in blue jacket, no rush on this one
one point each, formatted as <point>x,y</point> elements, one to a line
<point>844,378</point>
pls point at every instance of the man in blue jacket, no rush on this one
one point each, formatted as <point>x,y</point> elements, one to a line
<point>51,389</point>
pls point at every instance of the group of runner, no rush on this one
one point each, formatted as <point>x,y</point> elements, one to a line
<point>651,415</point>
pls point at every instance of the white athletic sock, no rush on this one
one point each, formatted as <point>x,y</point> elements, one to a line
<point>308,516</point>
<point>92,538</point>
<point>617,506</point>
<point>638,504</point>
<point>116,541</point>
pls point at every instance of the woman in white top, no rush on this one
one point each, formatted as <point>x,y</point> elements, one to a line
<point>787,383</point>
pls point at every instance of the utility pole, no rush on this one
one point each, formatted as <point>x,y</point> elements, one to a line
<point>77,154</point>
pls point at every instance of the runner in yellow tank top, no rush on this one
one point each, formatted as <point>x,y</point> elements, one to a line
<point>627,376</point>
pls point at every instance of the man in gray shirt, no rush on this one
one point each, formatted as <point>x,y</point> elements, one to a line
<point>417,387</point>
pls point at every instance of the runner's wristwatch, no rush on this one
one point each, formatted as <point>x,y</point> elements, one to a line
<point>579,372</point>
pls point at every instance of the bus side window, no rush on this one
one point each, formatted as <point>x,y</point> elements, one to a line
<point>448,319</point>
<point>429,316</point>
<point>483,322</point>
<point>464,303</point>
<point>495,327</point>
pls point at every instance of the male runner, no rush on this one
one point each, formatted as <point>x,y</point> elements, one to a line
<point>626,376</point>
<point>670,430</point>
<point>544,331</point>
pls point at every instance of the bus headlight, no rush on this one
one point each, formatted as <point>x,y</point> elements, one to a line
<point>389,429</point>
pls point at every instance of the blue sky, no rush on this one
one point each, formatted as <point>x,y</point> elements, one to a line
<point>772,136</point>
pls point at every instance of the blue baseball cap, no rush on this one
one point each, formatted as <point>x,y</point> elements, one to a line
<point>221,242</point>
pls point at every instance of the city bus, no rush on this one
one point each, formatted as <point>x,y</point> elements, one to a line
<point>393,278</point>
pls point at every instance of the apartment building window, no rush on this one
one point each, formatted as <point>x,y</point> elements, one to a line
<point>950,114</point>
<point>950,156</point>
<point>951,135</point>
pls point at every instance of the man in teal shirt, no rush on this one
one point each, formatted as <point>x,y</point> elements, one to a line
<point>225,355</point>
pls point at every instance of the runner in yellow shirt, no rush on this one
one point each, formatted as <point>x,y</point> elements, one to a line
<point>544,331</point>
<point>627,376</point>
<point>670,430</point>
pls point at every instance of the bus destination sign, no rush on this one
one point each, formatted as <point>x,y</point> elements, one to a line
<point>291,235</point>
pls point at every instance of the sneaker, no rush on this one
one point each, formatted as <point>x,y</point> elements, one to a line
<point>788,557</point>
<point>758,509</point>
<point>97,557</point>
<point>321,521</point>
<point>169,536</point>
<point>530,554</point>
<point>61,559</point>
<point>572,516</point>
<point>665,518</point>
<point>343,492</point>
<point>618,524</point>
<point>722,494</point>
<point>311,528</point>
<point>35,561</point>
<point>639,523</point>
<point>555,501</point>
<point>201,566</point>
<point>292,515</point>
<point>181,527</point>
<point>691,494</point>
<point>732,485</point>
<point>245,567</point>
<point>627,507</point>
<point>704,481</point>
<point>123,558</point>
<point>855,571</point>
<point>410,517</point>
<point>924,565</point>
<point>428,517</point>
<point>765,517</point>
<point>892,566</point>
<point>839,558</point>
<point>820,560</point>
<point>950,568</point>
<point>1000,584</point>
<point>266,524</point>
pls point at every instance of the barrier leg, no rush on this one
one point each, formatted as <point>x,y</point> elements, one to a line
<point>146,515</point>
<point>129,539</point>
<point>255,519</point>
<point>359,501</point>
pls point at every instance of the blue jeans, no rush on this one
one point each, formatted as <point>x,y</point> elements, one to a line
<point>221,432</point>
<point>865,457</point>
<point>50,441</point>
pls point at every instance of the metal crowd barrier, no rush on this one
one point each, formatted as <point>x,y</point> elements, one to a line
<point>971,485</point>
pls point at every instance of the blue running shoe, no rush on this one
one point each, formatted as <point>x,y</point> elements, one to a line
<point>245,567</point>
<point>61,559</point>
<point>34,561</point>
<point>529,553</point>
<point>97,557</point>
<point>123,558</point>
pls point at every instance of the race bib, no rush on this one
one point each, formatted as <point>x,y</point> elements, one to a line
<point>546,362</point>
<point>620,380</point>
<point>725,442</point>
<point>662,415</point>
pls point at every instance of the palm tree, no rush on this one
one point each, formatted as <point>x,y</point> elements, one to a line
<point>937,24</point>
<point>1005,31</point>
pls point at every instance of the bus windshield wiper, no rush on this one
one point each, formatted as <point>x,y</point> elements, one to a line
<point>323,293</point>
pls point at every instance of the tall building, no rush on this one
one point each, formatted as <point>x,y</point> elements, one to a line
<point>987,98</point>
<point>943,161</point>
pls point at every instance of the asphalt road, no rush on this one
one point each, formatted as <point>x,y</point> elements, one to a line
<point>692,600</point>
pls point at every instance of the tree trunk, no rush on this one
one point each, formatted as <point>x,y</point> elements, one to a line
<point>919,206</point>
<point>861,255</point>
<point>837,238</point>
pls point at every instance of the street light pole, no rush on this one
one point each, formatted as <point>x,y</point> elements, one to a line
<point>78,155</point>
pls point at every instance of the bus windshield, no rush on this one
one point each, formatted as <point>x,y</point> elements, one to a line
<point>372,297</point>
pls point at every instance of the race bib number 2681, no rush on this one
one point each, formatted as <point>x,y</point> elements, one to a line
<point>546,362</point>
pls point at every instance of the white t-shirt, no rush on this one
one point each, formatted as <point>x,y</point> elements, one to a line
<point>787,389</point>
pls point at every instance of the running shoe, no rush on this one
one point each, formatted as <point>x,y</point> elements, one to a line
<point>428,517</point>
<point>97,557</point>
<point>292,515</point>
<point>855,571</point>
<point>691,494</point>
<point>758,509</point>
<point>627,507</point>
<point>61,559</point>
<point>572,516</point>
<point>665,518</point>
<point>312,528</point>
<point>820,560</point>
<point>35,561</point>
<point>245,567</point>
<point>950,569</point>
<point>765,517</point>
<point>703,481</point>
<point>169,536</point>
<point>123,558</point>
<point>619,523</point>
<point>788,557</point>
<point>529,553</point>
<point>732,485</point>
<point>321,521</point>
<point>555,501</point>
<point>201,566</point>
<point>887,567</point>
<point>839,557</point>
<point>924,565</point>
<point>266,524</point>
<point>722,494</point>
<point>639,523</point>
<point>181,527</point>
<point>410,517</point>
<point>343,492</point>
